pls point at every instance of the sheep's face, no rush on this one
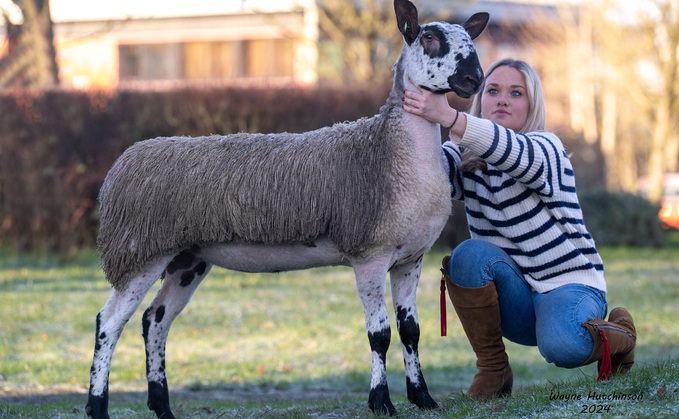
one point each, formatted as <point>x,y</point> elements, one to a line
<point>440,56</point>
<point>443,59</point>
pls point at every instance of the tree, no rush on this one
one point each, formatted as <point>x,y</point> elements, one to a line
<point>620,75</point>
<point>31,60</point>
<point>662,35</point>
<point>578,29</point>
<point>365,35</point>
<point>357,30</point>
<point>641,66</point>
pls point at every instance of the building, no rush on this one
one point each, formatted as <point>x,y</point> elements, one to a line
<point>109,44</point>
<point>106,44</point>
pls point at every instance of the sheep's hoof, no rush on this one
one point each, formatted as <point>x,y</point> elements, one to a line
<point>159,400</point>
<point>163,412</point>
<point>419,395</point>
<point>97,407</point>
<point>379,401</point>
<point>424,401</point>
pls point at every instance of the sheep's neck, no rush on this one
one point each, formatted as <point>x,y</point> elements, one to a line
<point>425,135</point>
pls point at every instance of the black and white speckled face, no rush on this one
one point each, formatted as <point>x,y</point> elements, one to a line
<point>440,56</point>
<point>443,59</point>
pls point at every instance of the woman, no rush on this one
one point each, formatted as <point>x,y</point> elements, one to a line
<point>531,271</point>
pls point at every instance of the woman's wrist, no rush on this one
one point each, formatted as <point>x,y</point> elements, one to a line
<point>452,124</point>
<point>459,127</point>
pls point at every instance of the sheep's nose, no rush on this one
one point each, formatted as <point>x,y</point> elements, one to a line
<point>474,80</point>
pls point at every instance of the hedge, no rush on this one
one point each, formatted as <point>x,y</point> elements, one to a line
<point>621,219</point>
<point>56,146</point>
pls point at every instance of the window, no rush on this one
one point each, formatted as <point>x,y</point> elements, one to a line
<point>206,60</point>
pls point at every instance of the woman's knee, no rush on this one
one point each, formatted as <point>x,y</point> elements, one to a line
<point>474,263</point>
<point>467,263</point>
<point>470,250</point>
<point>561,337</point>
<point>563,341</point>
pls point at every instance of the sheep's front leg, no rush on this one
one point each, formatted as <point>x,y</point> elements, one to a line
<point>404,280</point>
<point>371,283</point>
<point>182,277</point>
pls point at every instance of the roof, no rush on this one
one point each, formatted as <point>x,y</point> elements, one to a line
<point>79,10</point>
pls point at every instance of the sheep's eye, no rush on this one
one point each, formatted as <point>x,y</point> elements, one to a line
<point>428,37</point>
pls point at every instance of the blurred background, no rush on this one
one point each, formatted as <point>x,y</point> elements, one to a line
<point>81,80</point>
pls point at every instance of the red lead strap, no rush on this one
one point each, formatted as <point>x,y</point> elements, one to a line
<point>444,325</point>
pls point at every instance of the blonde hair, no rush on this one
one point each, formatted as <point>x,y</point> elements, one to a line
<point>535,121</point>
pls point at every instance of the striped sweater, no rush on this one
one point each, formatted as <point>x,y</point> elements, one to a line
<point>525,202</point>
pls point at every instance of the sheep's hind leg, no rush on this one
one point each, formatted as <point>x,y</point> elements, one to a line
<point>182,277</point>
<point>404,280</point>
<point>371,284</point>
<point>109,325</point>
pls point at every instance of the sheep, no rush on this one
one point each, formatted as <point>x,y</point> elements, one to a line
<point>372,194</point>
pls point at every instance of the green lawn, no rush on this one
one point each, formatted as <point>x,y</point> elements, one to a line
<point>296,335</point>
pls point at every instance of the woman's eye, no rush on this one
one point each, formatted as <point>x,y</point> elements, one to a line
<point>516,93</point>
<point>492,91</point>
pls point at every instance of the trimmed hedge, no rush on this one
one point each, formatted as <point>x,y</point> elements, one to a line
<point>56,146</point>
<point>621,219</point>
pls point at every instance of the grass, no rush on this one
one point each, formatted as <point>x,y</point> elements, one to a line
<point>294,345</point>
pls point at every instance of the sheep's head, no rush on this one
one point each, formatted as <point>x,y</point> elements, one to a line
<point>440,56</point>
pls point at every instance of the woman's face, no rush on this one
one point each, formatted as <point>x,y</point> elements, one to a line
<point>505,98</point>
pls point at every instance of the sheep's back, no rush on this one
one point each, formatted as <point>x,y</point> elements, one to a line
<point>171,193</point>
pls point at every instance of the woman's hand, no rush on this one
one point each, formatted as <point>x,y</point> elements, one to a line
<point>434,108</point>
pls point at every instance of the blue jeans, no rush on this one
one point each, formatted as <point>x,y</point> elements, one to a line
<point>550,321</point>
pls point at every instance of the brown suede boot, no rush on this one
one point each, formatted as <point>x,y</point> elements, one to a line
<point>614,343</point>
<point>479,313</point>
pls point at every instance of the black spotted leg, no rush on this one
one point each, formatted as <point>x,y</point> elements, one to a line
<point>371,281</point>
<point>182,277</point>
<point>110,323</point>
<point>404,280</point>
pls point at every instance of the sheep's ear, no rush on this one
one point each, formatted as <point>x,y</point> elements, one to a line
<point>406,18</point>
<point>476,24</point>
